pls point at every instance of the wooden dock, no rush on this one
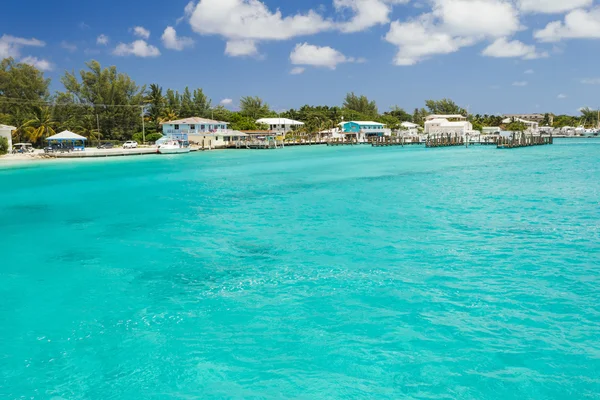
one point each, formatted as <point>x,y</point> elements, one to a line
<point>342,142</point>
<point>385,141</point>
<point>96,153</point>
<point>523,140</point>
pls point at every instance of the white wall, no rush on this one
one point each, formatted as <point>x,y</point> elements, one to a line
<point>7,133</point>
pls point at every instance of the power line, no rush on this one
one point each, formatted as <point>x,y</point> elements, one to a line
<point>15,100</point>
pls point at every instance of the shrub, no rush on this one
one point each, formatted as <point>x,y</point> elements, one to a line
<point>3,146</point>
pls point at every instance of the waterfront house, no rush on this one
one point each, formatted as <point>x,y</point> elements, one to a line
<point>408,128</point>
<point>532,126</point>
<point>452,124</point>
<point>536,117</point>
<point>364,130</point>
<point>280,125</point>
<point>6,132</point>
<point>192,126</point>
<point>491,130</point>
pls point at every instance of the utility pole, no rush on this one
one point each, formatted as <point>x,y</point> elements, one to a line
<point>143,125</point>
<point>98,126</point>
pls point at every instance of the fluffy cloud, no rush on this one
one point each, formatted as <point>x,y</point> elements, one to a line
<point>172,41</point>
<point>529,71</point>
<point>226,102</point>
<point>501,47</point>
<point>444,30</point>
<point>10,46</point>
<point>139,48</point>
<point>418,40</point>
<point>142,32</point>
<point>102,40</point>
<point>366,13</point>
<point>42,65</point>
<point>251,21</point>
<point>308,54</point>
<point>297,70</point>
<point>238,48</point>
<point>578,24</point>
<point>520,83</point>
<point>552,6</point>
<point>561,96</point>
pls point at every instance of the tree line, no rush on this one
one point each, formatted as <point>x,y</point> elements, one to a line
<point>103,103</point>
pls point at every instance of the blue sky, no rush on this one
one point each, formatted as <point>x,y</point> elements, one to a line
<point>494,56</point>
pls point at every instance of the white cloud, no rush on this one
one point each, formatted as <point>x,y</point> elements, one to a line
<point>561,96</point>
<point>552,6</point>
<point>42,65</point>
<point>308,54</point>
<point>297,70</point>
<point>520,83</point>
<point>142,32</point>
<point>502,48</point>
<point>139,48</point>
<point>578,24</point>
<point>226,102</point>
<point>172,41</point>
<point>102,40</point>
<point>419,40</point>
<point>10,46</point>
<point>591,81</point>
<point>444,30</point>
<point>490,18</point>
<point>238,48</point>
<point>366,13</point>
<point>529,71</point>
<point>68,46</point>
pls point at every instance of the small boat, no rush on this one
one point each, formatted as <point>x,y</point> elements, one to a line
<point>173,147</point>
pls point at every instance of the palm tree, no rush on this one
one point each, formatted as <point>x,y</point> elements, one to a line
<point>42,124</point>
<point>167,115</point>
<point>19,120</point>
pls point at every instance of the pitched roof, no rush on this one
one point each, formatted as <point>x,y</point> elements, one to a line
<point>278,121</point>
<point>362,123</point>
<point>12,128</point>
<point>193,121</point>
<point>66,135</point>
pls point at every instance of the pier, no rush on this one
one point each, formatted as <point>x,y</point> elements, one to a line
<point>95,153</point>
<point>385,141</point>
<point>445,140</point>
<point>517,140</point>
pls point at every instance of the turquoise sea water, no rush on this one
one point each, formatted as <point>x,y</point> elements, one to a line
<point>313,273</point>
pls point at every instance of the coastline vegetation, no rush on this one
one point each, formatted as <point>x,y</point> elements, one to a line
<point>105,104</point>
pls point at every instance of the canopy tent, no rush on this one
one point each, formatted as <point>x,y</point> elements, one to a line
<point>77,142</point>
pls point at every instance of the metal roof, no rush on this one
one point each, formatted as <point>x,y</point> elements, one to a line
<point>278,121</point>
<point>66,135</point>
<point>193,121</point>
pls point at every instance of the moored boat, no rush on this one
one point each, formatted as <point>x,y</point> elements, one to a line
<point>173,147</point>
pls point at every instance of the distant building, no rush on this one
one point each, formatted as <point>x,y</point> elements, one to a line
<point>280,125</point>
<point>192,126</point>
<point>532,126</point>
<point>448,124</point>
<point>539,118</point>
<point>6,131</point>
<point>491,130</point>
<point>409,128</point>
<point>364,130</point>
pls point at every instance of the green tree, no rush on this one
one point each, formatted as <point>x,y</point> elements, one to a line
<point>42,125</point>
<point>174,101</point>
<point>360,104</point>
<point>111,95</point>
<point>444,106</point>
<point>187,106</point>
<point>3,145</point>
<point>516,126</point>
<point>22,87</point>
<point>202,104</point>
<point>155,105</point>
<point>254,107</point>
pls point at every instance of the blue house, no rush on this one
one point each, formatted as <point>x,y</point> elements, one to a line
<point>192,126</point>
<point>364,129</point>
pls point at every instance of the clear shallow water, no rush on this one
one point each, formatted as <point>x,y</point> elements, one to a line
<point>304,273</point>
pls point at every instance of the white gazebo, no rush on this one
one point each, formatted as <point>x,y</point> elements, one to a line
<point>76,141</point>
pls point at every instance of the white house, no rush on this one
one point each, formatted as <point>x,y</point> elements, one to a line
<point>532,126</point>
<point>408,128</point>
<point>192,126</point>
<point>364,130</point>
<point>491,130</point>
<point>6,132</point>
<point>280,125</point>
<point>448,124</point>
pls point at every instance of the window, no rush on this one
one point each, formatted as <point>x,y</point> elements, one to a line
<point>176,127</point>
<point>202,127</point>
<point>192,127</point>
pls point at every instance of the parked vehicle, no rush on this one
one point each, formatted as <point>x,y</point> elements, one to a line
<point>22,148</point>
<point>107,145</point>
<point>58,147</point>
<point>131,144</point>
